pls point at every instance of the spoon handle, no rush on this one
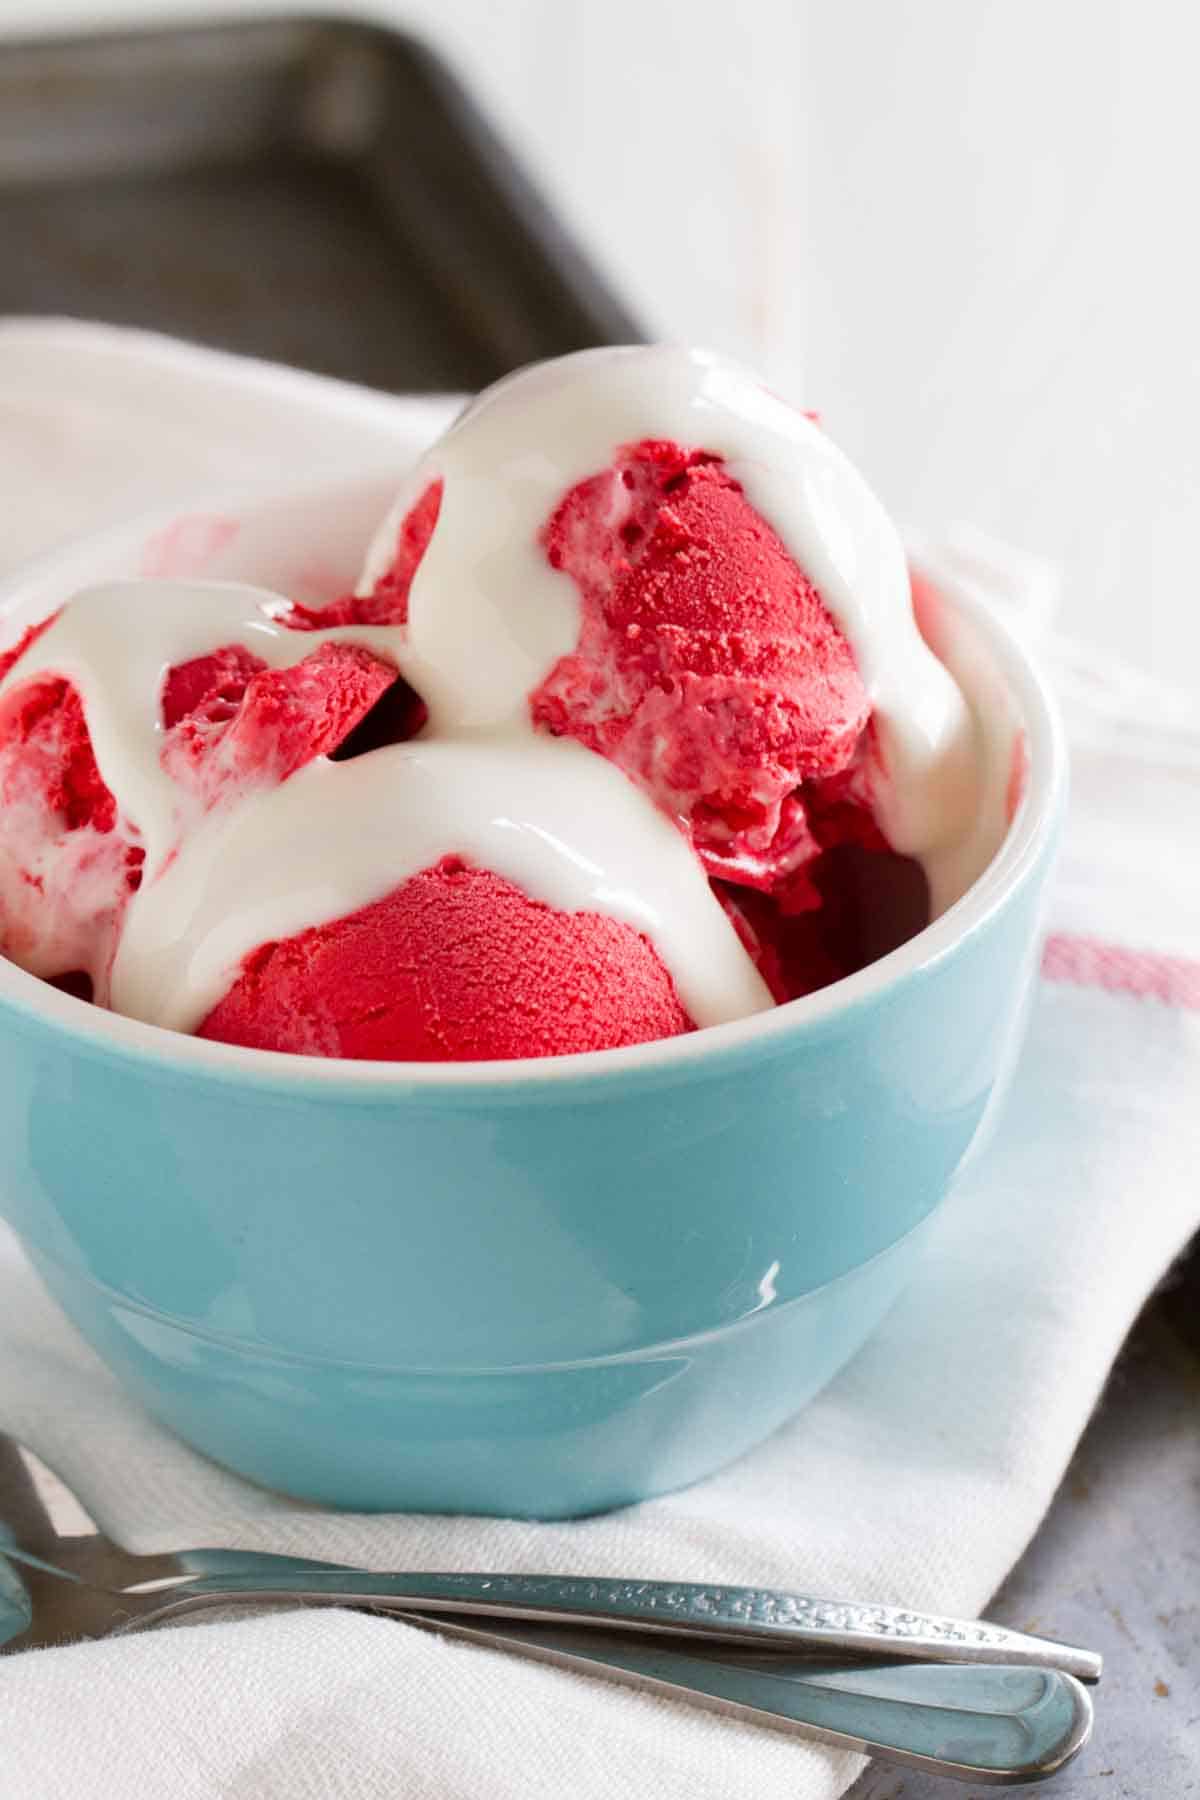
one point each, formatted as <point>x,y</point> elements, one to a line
<point>763,1616</point>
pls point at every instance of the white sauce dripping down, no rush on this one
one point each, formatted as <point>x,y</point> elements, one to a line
<point>488,617</point>
<point>115,645</point>
<point>564,825</point>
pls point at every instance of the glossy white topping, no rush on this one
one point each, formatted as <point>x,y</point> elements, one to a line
<point>563,825</point>
<point>488,616</point>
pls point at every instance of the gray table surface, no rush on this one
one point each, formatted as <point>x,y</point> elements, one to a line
<point>1116,1566</point>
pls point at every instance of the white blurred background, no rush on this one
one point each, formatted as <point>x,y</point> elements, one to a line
<point>963,230</point>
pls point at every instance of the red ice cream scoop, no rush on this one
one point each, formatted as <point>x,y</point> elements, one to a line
<point>708,667</point>
<point>456,964</point>
<point>70,858</point>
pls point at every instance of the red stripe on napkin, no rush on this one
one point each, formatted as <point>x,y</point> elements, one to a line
<point>1090,962</point>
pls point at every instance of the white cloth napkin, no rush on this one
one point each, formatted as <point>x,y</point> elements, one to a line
<point>917,1477</point>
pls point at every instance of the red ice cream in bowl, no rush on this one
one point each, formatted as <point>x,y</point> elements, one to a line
<point>540,983</point>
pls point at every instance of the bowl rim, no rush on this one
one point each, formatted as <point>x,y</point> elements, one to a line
<point>95,1031</point>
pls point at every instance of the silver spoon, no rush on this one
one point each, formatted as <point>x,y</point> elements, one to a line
<point>48,1525</point>
<point>1013,1716</point>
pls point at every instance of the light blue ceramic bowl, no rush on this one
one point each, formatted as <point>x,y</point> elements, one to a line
<point>542,1288</point>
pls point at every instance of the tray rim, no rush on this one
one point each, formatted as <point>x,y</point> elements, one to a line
<point>556,243</point>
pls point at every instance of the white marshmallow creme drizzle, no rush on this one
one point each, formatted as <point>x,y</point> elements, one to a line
<point>488,618</point>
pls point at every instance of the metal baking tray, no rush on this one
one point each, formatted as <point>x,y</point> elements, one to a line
<point>321,192</point>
